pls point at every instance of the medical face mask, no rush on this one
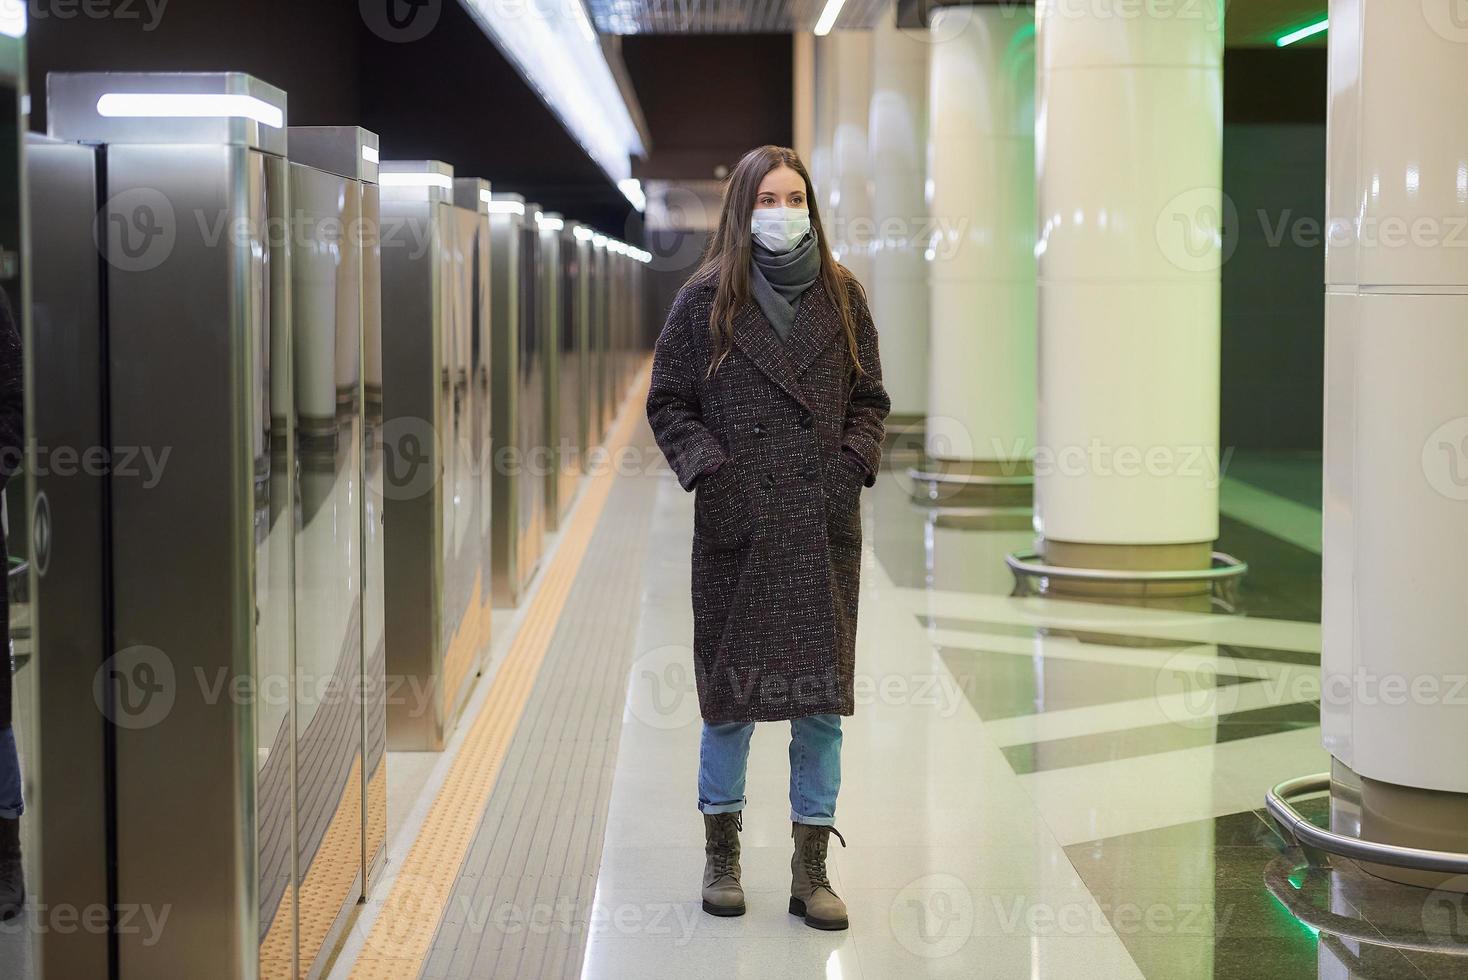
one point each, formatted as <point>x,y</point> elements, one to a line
<point>780,229</point>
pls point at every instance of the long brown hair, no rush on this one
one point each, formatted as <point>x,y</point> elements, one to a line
<point>727,259</point>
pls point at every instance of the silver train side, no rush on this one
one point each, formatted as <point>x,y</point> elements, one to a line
<point>371,404</point>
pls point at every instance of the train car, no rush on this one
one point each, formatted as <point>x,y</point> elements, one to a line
<point>517,384</point>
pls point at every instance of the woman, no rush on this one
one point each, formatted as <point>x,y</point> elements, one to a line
<point>767,401</point>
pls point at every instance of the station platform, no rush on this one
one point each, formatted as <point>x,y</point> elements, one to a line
<point>1032,787</point>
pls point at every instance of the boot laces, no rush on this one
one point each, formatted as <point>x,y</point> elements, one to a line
<point>723,839</point>
<point>813,856</point>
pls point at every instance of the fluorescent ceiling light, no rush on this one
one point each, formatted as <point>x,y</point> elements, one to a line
<point>190,104</point>
<point>552,224</point>
<point>827,20</point>
<point>582,233</point>
<point>600,241</point>
<point>505,207</point>
<point>369,153</point>
<point>486,197</point>
<point>12,19</point>
<point>582,21</point>
<point>1304,32</point>
<point>631,189</point>
<point>556,50</point>
<point>420,178</point>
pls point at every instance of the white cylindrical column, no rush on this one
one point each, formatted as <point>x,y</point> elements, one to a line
<point>1129,161</point>
<point>823,117</point>
<point>1396,421</point>
<point>847,197</point>
<point>981,393</point>
<point>897,135</point>
<point>803,96</point>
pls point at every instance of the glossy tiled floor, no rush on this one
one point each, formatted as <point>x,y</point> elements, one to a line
<point>1033,787</point>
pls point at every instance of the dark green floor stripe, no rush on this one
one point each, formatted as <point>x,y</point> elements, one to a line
<point>1011,685</point>
<point>1271,655</point>
<point>1130,743</point>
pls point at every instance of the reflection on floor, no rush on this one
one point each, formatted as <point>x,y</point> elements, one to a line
<point>1227,898</point>
<point>1033,787</point>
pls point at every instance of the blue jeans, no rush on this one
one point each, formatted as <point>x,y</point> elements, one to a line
<point>12,805</point>
<point>815,767</point>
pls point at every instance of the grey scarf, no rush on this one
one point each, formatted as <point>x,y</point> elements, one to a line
<point>779,279</point>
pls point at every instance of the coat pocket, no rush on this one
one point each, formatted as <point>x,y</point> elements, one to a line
<point>844,481</point>
<point>721,513</point>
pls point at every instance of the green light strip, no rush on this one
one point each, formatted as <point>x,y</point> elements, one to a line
<point>1302,33</point>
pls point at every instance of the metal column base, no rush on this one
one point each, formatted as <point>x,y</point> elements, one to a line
<point>1032,576</point>
<point>1328,923</point>
<point>1318,842</point>
<point>939,488</point>
<point>906,436</point>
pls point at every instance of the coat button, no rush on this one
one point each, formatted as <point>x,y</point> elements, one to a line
<point>759,429</point>
<point>811,475</point>
<point>769,479</point>
<point>805,419</point>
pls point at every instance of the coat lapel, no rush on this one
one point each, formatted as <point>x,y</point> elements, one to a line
<point>754,335</point>
<point>816,322</point>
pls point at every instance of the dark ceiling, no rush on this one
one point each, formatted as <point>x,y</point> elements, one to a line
<point>448,95</point>
<point>726,16</point>
<point>710,88</point>
<point>708,98</point>
<point>1249,23</point>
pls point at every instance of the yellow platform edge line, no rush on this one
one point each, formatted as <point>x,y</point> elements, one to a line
<point>401,935</point>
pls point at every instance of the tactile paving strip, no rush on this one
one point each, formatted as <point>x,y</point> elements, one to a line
<point>523,897</point>
<point>403,934</point>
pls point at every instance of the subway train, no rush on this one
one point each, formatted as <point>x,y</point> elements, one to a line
<point>367,390</point>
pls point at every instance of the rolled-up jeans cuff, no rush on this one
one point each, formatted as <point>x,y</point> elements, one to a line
<point>734,807</point>
<point>812,821</point>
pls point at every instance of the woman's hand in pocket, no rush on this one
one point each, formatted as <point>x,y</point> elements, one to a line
<point>721,512</point>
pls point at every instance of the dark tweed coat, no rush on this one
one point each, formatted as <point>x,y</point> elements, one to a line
<point>777,445</point>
